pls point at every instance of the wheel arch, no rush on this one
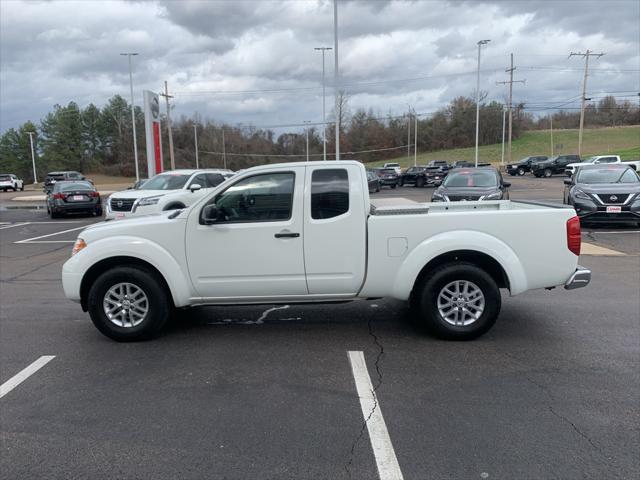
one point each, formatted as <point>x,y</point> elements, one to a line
<point>174,206</point>
<point>106,264</point>
<point>488,253</point>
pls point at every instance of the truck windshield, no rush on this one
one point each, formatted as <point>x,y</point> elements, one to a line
<point>471,178</point>
<point>166,181</point>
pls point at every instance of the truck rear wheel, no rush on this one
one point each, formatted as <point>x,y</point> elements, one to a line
<point>547,172</point>
<point>457,301</point>
<point>128,304</point>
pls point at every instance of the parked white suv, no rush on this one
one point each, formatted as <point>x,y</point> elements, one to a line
<point>395,166</point>
<point>10,181</point>
<point>171,190</point>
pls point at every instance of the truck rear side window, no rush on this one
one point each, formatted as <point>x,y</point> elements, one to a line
<point>329,193</point>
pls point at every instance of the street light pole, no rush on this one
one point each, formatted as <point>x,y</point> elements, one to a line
<point>307,135</point>
<point>415,140</point>
<point>33,157</point>
<point>336,76</point>
<point>480,43</point>
<point>133,116</point>
<point>504,114</point>
<point>195,138</point>
<point>324,125</point>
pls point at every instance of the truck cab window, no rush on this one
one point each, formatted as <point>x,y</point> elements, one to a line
<point>329,193</point>
<point>261,198</point>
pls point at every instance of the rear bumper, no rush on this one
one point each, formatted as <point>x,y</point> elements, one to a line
<point>580,278</point>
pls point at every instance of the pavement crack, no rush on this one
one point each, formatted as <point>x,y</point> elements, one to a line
<point>376,341</point>
<point>556,414</point>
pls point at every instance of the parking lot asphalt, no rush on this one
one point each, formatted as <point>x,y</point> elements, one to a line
<point>552,391</point>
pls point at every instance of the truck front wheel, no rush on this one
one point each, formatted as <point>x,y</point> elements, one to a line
<point>457,301</point>
<point>128,304</point>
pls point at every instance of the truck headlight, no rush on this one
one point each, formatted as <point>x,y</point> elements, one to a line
<point>149,201</point>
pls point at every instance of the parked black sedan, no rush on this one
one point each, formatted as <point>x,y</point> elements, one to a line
<point>467,184</point>
<point>523,166</point>
<point>73,197</point>
<point>420,176</point>
<point>604,193</point>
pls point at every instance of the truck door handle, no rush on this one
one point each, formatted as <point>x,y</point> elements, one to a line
<point>287,235</point>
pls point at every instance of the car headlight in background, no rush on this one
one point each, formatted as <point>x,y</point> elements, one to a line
<point>149,201</point>
<point>492,196</point>
<point>79,245</point>
<point>580,194</point>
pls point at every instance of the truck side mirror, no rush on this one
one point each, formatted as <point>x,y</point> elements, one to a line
<point>209,214</point>
<point>195,187</point>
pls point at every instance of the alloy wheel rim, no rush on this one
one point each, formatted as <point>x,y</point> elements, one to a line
<point>460,303</point>
<point>125,305</point>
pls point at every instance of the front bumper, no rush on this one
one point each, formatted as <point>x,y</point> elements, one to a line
<point>388,181</point>
<point>589,211</point>
<point>580,278</point>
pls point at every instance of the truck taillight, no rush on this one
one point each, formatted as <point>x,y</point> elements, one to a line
<point>94,194</point>
<point>574,237</point>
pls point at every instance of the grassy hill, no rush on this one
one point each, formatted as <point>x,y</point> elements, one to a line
<point>623,141</point>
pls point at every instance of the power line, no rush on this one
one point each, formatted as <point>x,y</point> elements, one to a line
<point>301,154</point>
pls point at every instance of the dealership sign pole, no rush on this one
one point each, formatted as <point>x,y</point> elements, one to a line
<point>152,130</point>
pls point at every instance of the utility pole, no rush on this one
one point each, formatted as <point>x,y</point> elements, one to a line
<point>195,138</point>
<point>511,81</point>
<point>307,135</point>
<point>324,125</point>
<point>224,152</point>
<point>504,114</point>
<point>480,43</point>
<point>415,139</point>
<point>409,134</point>
<point>133,116</point>
<point>551,127</point>
<point>33,157</point>
<point>167,97</point>
<point>336,76</point>
<point>586,56</point>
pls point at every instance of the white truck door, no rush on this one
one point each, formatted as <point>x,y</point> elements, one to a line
<point>254,249</point>
<point>334,229</point>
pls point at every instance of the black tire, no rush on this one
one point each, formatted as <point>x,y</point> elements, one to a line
<point>512,173</point>
<point>420,182</point>
<point>425,296</point>
<point>393,186</point>
<point>378,188</point>
<point>521,171</point>
<point>401,182</point>
<point>53,214</point>
<point>547,172</point>
<point>22,188</point>
<point>537,175</point>
<point>159,304</point>
<point>98,211</point>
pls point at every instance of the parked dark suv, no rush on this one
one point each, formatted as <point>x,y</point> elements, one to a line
<point>53,177</point>
<point>523,166</point>
<point>388,177</point>
<point>420,176</point>
<point>553,165</point>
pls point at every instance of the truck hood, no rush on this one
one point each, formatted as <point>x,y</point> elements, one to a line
<point>133,226</point>
<point>579,164</point>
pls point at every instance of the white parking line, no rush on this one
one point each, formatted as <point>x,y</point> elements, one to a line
<point>20,377</point>
<point>31,240</point>
<point>14,225</point>
<point>388,468</point>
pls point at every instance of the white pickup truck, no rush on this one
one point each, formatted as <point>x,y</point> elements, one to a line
<point>307,232</point>
<point>571,168</point>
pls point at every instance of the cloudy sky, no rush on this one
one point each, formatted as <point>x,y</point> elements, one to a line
<point>253,62</point>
